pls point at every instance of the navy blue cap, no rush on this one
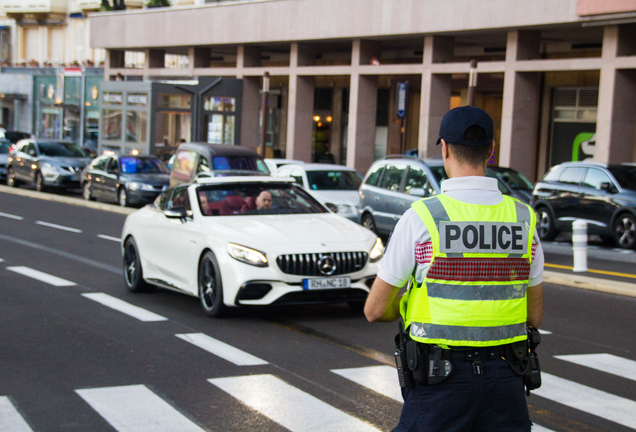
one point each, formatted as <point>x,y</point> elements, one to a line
<point>457,120</point>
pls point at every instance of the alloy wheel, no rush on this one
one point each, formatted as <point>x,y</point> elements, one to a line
<point>369,223</point>
<point>130,263</point>
<point>11,178</point>
<point>625,231</point>
<point>208,284</point>
<point>123,198</point>
<point>39,182</point>
<point>544,223</point>
<point>87,191</point>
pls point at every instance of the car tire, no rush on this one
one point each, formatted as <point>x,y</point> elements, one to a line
<point>87,192</point>
<point>133,273</point>
<point>210,286</point>
<point>122,197</point>
<point>39,182</point>
<point>369,223</point>
<point>545,224</point>
<point>624,231</point>
<point>11,180</point>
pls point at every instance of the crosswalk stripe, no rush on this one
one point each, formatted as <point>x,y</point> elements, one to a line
<point>221,349</point>
<point>105,237</point>
<point>60,227</point>
<point>381,379</point>
<point>124,307</point>
<point>609,363</point>
<point>135,408</point>
<point>1,260</point>
<point>10,216</point>
<point>41,276</point>
<point>587,399</point>
<point>10,418</point>
<point>289,406</point>
<point>545,332</point>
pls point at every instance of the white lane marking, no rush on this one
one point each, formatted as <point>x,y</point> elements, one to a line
<point>10,216</point>
<point>105,237</point>
<point>124,307</point>
<point>135,408</point>
<point>381,379</point>
<point>221,349</point>
<point>537,428</point>
<point>609,363</point>
<point>60,227</point>
<point>544,332</point>
<point>10,418</point>
<point>289,406</point>
<point>41,276</point>
<point>588,399</point>
<point>1,260</point>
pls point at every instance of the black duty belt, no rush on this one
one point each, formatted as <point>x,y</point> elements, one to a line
<point>468,353</point>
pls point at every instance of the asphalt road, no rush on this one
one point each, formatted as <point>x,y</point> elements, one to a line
<point>70,363</point>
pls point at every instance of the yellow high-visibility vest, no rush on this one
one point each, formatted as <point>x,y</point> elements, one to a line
<point>474,293</point>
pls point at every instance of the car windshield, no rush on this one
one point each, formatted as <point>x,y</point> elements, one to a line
<point>439,172</point>
<point>239,163</point>
<point>256,199</point>
<point>133,165</point>
<point>60,149</point>
<point>330,180</point>
<point>514,179</point>
<point>625,176</point>
<point>4,147</point>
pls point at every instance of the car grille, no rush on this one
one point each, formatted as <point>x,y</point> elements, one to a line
<point>309,264</point>
<point>72,169</point>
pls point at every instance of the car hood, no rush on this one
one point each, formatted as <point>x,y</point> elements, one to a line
<point>153,179</point>
<point>65,161</point>
<point>337,197</point>
<point>268,230</point>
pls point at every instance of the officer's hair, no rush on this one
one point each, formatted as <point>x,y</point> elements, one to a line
<point>474,156</point>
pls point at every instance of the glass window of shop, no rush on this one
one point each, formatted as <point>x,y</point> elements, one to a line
<point>175,118</point>
<point>72,101</point>
<point>48,116</point>
<point>91,113</point>
<point>219,119</point>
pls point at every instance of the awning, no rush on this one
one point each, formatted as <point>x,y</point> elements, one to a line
<point>76,15</point>
<point>12,96</point>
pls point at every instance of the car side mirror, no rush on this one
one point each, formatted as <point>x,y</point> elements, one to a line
<point>332,207</point>
<point>608,187</point>
<point>176,213</point>
<point>417,192</point>
<point>32,152</point>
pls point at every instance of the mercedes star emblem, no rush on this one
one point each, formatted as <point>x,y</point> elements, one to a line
<point>327,265</point>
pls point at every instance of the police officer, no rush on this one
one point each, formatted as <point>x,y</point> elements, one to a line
<point>475,267</point>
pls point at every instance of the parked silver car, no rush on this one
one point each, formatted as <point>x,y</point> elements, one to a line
<point>392,184</point>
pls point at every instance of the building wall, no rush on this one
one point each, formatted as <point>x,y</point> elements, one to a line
<point>20,84</point>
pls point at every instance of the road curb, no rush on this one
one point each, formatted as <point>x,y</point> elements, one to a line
<point>590,283</point>
<point>67,200</point>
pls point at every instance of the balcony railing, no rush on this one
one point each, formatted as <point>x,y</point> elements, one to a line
<point>93,5</point>
<point>33,6</point>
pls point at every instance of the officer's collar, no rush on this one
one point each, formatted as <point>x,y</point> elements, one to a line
<point>471,182</point>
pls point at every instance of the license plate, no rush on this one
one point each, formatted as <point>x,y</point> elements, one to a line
<point>75,177</point>
<point>326,283</point>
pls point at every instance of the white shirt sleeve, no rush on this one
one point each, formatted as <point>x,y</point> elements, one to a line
<point>536,269</point>
<point>398,262</point>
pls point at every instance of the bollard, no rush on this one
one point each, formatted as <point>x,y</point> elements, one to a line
<point>579,245</point>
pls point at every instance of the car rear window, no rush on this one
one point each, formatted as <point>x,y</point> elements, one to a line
<point>373,178</point>
<point>333,180</point>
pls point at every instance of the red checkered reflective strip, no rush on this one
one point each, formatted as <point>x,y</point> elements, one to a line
<point>424,253</point>
<point>479,269</point>
<point>534,249</point>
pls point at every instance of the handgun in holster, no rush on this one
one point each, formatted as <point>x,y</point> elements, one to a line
<point>523,354</point>
<point>420,363</point>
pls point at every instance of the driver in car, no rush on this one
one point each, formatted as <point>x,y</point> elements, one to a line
<point>264,200</point>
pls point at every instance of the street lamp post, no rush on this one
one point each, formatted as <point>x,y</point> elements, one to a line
<point>264,112</point>
<point>472,83</point>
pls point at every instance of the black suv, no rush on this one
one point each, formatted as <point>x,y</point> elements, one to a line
<point>602,195</point>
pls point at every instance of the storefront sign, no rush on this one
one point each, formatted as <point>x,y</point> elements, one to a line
<point>113,98</point>
<point>139,99</point>
<point>401,99</point>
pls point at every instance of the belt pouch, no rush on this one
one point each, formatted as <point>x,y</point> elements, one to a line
<point>417,354</point>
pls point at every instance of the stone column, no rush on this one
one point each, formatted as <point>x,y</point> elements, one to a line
<point>363,100</point>
<point>336,124</point>
<point>521,99</point>
<point>616,119</point>
<point>300,108</point>
<point>250,111</point>
<point>436,93</point>
<point>155,58</point>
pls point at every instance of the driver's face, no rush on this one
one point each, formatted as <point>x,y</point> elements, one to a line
<point>264,201</point>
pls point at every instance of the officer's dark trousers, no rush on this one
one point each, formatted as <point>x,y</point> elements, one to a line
<point>491,402</point>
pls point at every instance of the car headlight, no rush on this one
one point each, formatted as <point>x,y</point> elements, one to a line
<point>377,251</point>
<point>140,186</point>
<point>247,255</point>
<point>344,208</point>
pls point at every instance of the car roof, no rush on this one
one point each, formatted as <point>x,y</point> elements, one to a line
<point>320,167</point>
<point>219,149</point>
<point>243,179</point>
<point>288,161</point>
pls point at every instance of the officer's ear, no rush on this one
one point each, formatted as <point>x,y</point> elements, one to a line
<point>492,150</point>
<point>445,150</point>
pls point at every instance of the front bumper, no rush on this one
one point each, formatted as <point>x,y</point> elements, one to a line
<point>63,181</point>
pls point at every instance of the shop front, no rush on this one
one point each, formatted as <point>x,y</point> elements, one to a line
<point>155,117</point>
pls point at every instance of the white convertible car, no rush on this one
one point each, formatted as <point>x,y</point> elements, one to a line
<point>213,240</point>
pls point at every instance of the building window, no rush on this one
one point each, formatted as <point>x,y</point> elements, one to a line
<point>168,100</point>
<point>219,120</point>
<point>111,129</point>
<point>137,126</point>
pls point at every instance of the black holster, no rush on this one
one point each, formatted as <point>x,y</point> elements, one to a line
<point>420,363</point>
<point>524,361</point>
